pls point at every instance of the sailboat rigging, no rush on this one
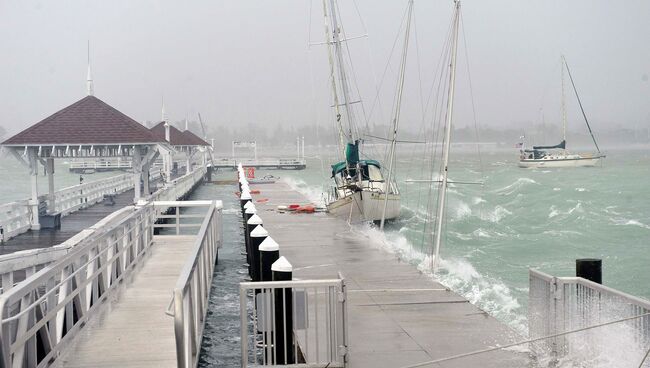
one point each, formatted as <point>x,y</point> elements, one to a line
<point>557,155</point>
<point>360,192</point>
<point>444,181</point>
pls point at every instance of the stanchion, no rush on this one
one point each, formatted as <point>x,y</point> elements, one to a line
<point>590,269</point>
<point>269,253</point>
<point>283,333</point>
<point>257,236</point>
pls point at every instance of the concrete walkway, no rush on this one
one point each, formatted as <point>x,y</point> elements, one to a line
<point>389,326</point>
<point>134,331</point>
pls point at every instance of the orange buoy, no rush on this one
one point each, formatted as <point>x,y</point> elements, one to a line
<point>263,200</point>
<point>306,209</point>
<point>294,206</point>
<point>255,192</point>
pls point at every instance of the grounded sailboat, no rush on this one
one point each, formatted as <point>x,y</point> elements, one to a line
<point>557,155</point>
<point>360,192</point>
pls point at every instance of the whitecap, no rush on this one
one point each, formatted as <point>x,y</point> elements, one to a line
<point>313,193</point>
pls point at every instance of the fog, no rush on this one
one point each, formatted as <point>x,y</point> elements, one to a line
<point>249,64</point>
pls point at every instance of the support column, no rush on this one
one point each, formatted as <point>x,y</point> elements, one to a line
<point>51,207</point>
<point>145,178</point>
<point>137,173</point>
<point>33,202</point>
<point>188,165</point>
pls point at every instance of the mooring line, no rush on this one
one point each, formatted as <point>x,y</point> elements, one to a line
<point>476,352</point>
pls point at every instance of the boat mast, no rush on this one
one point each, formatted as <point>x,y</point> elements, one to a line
<point>563,107</point>
<point>337,105</point>
<point>338,52</point>
<point>398,104</point>
<point>442,191</point>
<point>580,103</point>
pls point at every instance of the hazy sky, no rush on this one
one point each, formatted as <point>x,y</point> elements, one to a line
<point>243,61</point>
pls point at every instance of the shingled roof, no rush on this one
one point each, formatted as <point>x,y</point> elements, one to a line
<point>176,137</point>
<point>196,140</point>
<point>87,121</point>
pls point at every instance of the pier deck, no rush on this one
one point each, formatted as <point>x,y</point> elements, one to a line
<point>134,331</point>
<point>70,225</point>
<point>397,315</point>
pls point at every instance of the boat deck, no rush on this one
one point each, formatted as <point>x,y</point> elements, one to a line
<point>397,315</point>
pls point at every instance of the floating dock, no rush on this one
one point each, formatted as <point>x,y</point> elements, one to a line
<point>271,163</point>
<point>397,315</point>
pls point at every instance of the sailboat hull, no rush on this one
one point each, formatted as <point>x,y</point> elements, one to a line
<point>365,206</point>
<point>558,161</point>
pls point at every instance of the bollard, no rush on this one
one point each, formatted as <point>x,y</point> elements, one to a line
<point>253,222</point>
<point>245,197</point>
<point>248,213</point>
<point>257,236</point>
<point>590,269</point>
<point>269,253</point>
<point>283,332</point>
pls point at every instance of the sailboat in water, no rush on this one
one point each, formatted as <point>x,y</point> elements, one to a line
<point>557,155</point>
<point>359,192</point>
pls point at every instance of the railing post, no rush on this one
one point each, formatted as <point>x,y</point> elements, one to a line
<point>249,211</point>
<point>257,236</point>
<point>269,253</point>
<point>590,269</point>
<point>283,308</point>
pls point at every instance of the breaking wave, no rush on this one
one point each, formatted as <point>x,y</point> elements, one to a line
<point>489,294</point>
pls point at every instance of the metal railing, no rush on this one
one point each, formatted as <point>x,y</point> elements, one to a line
<point>17,266</point>
<point>189,304</point>
<point>42,314</point>
<point>294,323</point>
<point>177,188</point>
<point>15,217</point>
<point>230,162</point>
<point>39,316</point>
<point>76,197</point>
<point>559,304</point>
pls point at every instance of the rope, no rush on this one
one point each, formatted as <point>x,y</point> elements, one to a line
<point>476,352</point>
<point>644,358</point>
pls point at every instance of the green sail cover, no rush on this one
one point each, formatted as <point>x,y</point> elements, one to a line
<point>352,153</point>
<point>340,166</point>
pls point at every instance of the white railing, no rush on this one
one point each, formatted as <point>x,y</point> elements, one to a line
<point>230,162</point>
<point>103,163</point>
<point>17,266</point>
<point>178,187</point>
<point>15,218</point>
<point>189,304</point>
<point>294,323</point>
<point>562,304</point>
<point>76,197</point>
<point>40,315</point>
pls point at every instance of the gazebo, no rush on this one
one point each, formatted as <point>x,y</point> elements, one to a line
<point>89,128</point>
<point>184,142</point>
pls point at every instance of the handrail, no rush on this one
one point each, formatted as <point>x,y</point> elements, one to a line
<point>558,304</point>
<point>192,290</point>
<point>57,300</point>
<point>301,323</point>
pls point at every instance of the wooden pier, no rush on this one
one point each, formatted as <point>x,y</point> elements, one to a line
<point>397,315</point>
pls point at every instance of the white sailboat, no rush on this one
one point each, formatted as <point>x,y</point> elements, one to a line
<point>360,192</point>
<point>557,156</point>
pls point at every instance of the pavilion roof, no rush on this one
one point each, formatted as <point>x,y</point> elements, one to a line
<point>195,139</point>
<point>87,121</point>
<point>176,137</point>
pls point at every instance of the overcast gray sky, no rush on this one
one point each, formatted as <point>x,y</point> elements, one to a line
<point>245,61</point>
